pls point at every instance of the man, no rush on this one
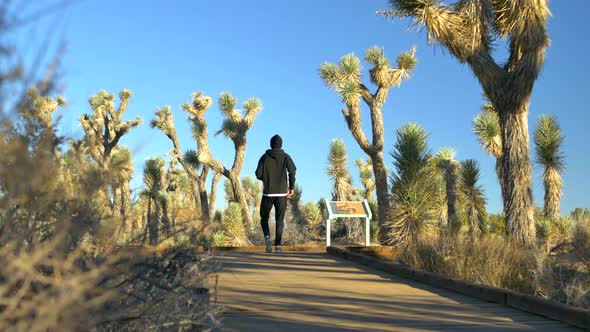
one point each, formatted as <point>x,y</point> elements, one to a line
<point>272,171</point>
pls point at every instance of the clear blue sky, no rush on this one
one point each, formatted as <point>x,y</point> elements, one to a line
<point>164,51</point>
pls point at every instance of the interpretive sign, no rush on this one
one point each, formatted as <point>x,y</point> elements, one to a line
<point>348,209</point>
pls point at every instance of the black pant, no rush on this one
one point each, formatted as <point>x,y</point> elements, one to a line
<point>280,204</point>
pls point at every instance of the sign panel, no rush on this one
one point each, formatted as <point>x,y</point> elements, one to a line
<point>348,209</point>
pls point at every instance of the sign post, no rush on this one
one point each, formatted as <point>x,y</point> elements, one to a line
<point>348,209</point>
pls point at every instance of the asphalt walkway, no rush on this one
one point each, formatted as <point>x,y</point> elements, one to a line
<point>317,292</point>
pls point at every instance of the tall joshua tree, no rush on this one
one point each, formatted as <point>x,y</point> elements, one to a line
<point>234,126</point>
<point>467,28</point>
<point>165,122</point>
<point>445,160</point>
<point>473,198</point>
<point>548,140</point>
<point>366,176</point>
<point>103,130</point>
<point>345,78</point>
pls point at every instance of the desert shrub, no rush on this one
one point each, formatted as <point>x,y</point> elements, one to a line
<point>233,228</point>
<point>161,291</point>
<point>217,239</point>
<point>581,241</point>
<point>489,261</point>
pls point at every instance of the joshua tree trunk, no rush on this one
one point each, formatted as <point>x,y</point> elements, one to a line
<point>518,197</point>
<point>213,196</point>
<point>552,194</point>
<point>381,187</point>
<point>153,223</point>
<point>205,209</point>
<point>125,203</point>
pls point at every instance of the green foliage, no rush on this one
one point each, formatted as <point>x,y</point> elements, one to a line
<point>406,60</point>
<point>233,227</point>
<point>544,229</point>
<point>497,224</point>
<point>410,151</point>
<point>416,193</point>
<point>190,158</point>
<point>350,67</point>
<point>473,197</point>
<point>217,239</point>
<point>486,127</point>
<point>312,214</point>
<point>153,171</point>
<point>548,140</point>
<point>227,103</point>
<point>338,172</point>
<point>376,56</point>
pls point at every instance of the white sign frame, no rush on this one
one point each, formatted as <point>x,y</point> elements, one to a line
<point>334,215</point>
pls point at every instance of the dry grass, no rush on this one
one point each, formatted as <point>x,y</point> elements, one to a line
<point>563,276</point>
<point>489,261</point>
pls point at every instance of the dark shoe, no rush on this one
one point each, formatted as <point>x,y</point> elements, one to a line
<point>278,249</point>
<point>267,244</point>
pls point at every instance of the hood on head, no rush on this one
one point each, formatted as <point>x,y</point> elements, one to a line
<point>276,142</point>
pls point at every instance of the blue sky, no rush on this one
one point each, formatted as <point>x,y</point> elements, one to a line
<point>164,51</point>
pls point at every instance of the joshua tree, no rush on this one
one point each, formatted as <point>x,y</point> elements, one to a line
<point>234,126</point>
<point>445,160</point>
<point>416,193</point>
<point>473,198</point>
<point>467,29</point>
<point>366,175</point>
<point>121,167</point>
<point>153,173</point>
<point>342,189</point>
<point>345,78</point>
<point>548,140</point>
<point>189,162</point>
<point>103,130</point>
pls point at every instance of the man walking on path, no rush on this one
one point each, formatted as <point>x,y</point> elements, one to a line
<point>272,171</point>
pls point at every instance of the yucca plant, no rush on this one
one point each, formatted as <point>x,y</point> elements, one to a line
<point>445,160</point>
<point>486,126</point>
<point>337,170</point>
<point>468,29</point>
<point>473,198</point>
<point>414,189</point>
<point>153,173</point>
<point>233,228</point>
<point>548,140</point>
<point>345,78</point>
<point>366,176</point>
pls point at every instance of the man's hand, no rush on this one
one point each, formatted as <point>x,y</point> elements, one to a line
<point>290,193</point>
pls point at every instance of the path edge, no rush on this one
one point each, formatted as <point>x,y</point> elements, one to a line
<point>551,309</point>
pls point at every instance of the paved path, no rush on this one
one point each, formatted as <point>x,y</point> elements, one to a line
<point>316,292</point>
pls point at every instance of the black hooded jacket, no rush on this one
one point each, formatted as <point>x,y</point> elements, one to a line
<point>272,170</point>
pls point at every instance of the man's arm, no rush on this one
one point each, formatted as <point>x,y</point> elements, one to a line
<point>260,168</point>
<point>291,169</point>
